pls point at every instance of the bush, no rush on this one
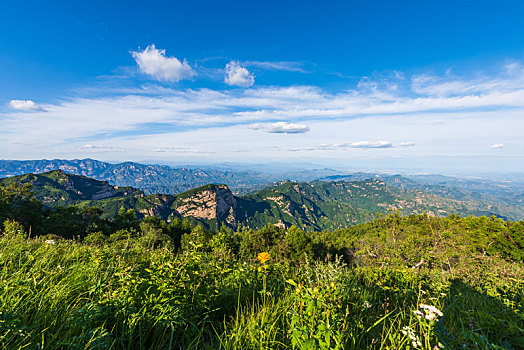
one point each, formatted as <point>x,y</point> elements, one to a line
<point>96,239</point>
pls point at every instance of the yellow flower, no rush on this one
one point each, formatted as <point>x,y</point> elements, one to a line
<point>263,257</point>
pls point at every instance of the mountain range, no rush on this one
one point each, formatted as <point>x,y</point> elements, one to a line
<point>316,205</point>
<point>149,178</point>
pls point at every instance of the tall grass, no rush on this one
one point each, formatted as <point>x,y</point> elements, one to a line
<point>69,295</point>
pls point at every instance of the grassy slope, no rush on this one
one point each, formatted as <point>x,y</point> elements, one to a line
<point>70,295</point>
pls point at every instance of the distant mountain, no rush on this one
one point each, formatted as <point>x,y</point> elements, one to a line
<point>505,198</point>
<point>149,178</point>
<point>312,206</point>
<point>509,191</point>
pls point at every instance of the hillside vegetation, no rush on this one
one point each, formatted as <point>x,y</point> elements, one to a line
<point>314,206</point>
<point>149,178</point>
<point>502,197</point>
<point>397,282</point>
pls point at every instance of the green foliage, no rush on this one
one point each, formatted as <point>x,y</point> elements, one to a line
<point>13,230</point>
<point>197,240</point>
<point>224,243</point>
<point>95,239</point>
<point>319,205</point>
<point>397,282</point>
<point>265,239</point>
<point>153,234</point>
<point>316,321</point>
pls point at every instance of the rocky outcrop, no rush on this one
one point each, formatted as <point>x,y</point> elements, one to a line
<point>209,203</point>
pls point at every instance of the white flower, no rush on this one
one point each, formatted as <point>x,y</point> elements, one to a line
<point>50,241</point>
<point>430,311</point>
<point>418,313</point>
<point>366,304</point>
<point>415,340</point>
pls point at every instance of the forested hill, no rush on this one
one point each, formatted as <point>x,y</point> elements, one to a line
<point>318,205</point>
<point>504,197</point>
<point>149,178</point>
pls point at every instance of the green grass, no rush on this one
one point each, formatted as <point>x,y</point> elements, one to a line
<point>70,295</point>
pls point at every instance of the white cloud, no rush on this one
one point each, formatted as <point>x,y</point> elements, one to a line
<point>236,75</point>
<point>407,144</point>
<point>367,144</point>
<point>497,145</point>
<point>153,117</point>
<point>25,105</point>
<point>283,66</point>
<point>92,148</point>
<point>281,128</point>
<point>153,62</point>
<point>345,145</point>
<point>178,150</point>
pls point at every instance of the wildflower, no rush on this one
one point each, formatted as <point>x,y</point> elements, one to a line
<point>366,305</point>
<point>418,313</point>
<point>431,312</point>
<point>415,340</point>
<point>50,241</point>
<point>263,257</point>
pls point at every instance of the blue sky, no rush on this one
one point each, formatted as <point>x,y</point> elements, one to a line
<point>421,85</point>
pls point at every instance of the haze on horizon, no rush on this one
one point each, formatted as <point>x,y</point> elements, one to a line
<point>432,86</point>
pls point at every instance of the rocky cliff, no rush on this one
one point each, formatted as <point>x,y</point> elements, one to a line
<point>210,202</point>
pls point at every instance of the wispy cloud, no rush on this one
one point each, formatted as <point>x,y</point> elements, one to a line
<point>236,75</point>
<point>345,145</point>
<point>367,144</point>
<point>282,66</point>
<point>178,150</point>
<point>25,105</point>
<point>154,62</point>
<point>90,147</point>
<point>281,128</point>
<point>497,145</point>
<point>446,114</point>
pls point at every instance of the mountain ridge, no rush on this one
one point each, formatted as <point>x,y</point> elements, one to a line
<point>150,178</point>
<point>311,206</point>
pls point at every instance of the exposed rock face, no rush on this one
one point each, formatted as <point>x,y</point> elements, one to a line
<point>107,191</point>
<point>215,202</point>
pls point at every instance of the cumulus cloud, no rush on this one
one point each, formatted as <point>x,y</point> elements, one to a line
<point>154,62</point>
<point>140,118</point>
<point>281,128</point>
<point>236,75</point>
<point>497,145</point>
<point>407,144</point>
<point>25,105</point>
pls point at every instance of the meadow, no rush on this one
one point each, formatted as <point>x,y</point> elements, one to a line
<point>395,283</point>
